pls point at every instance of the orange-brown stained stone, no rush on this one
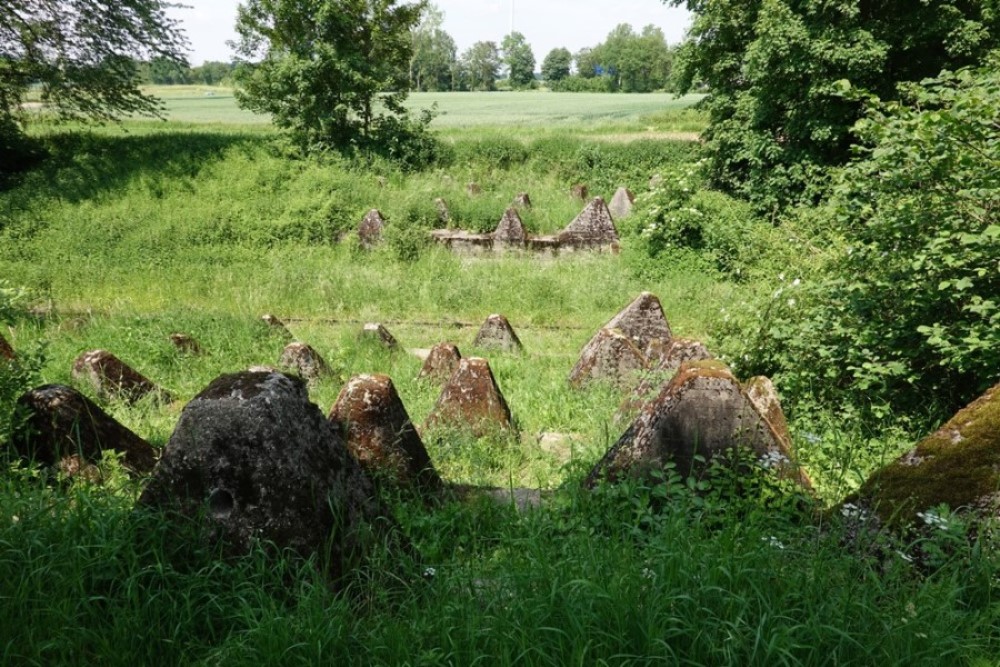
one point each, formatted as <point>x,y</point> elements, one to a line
<point>441,363</point>
<point>67,430</point>
<point>667,354</point>
<point>113,379</point>
<point>304,360</point>
<point>380,435</point>
<point>497,333</point>
<point>471,400</point>
<point>702,412</point>
<point>609,356</point>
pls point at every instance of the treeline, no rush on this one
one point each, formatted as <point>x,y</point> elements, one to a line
<point>627,61</point>
<point>167,72</point>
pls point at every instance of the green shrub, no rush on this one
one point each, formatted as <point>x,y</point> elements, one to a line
<point>907,314</point>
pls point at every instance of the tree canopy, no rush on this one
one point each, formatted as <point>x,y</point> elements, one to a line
<point>787,79</point>
<point>481,66</point>
<point>332,72</point>
<point>519,59</point>
<point>433,63</point>
<point>556,65</point>
<point>83,55</point>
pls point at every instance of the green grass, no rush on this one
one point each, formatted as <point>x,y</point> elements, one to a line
<point>524,114</point>
<point>125,235</point>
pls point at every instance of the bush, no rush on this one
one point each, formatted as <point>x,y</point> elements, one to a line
<point>679,221</point>
<point>907,315</point>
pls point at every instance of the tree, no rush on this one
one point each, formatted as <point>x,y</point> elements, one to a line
<point>480,66</point>
<point>519,59</point>
<point>778,115</point>
<point>556,65</point>
<point>432,66</point>
<point>332,72</point>
<point>907,309</point>
<point>84,55</point>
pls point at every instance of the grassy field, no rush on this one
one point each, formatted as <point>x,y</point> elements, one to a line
<point>518,112</point>
<point>203,223</point>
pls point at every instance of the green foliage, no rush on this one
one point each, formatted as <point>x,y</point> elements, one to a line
<point>627,61</point>
<point>556,65</point>
<point>679,222</point>
<point>332,73</point>
<point>907,312</point>
<point>580,84</point>
<point>82,55</point>
<point>787,80</point>
<point>433,65</point>
<point>480,66</point>
<point>519,59</point>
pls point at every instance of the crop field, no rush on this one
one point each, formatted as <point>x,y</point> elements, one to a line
<point>201,224</point>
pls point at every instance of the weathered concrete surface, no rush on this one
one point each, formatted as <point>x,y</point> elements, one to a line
<point>113,379</point>
<point>621,203</point>
<point>958,465</point>
<point>68,431</point>
<point>441,363</point>
<point>522,200</point>
<point>379,433</point>
<point>371,229</point>
<point>610,356</point>
<point>593,225</point>
<point>578,191</point>
<point>669,353</point>
<point>304,360</point>
<point>642,321</point>
<point>496,333</point>
<point>444,214</point>
<point>510,230</point>
<point>253,461</point>
<point>702,412</point>
<point>376,332</point>
<point>185,344</point>
<point>471,400</point>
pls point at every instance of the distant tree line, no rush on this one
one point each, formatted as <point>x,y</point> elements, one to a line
<point>166,72</point>
<point>627,61</point>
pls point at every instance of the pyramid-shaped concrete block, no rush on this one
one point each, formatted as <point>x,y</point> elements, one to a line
<point>497,334</point>
<point>522,200</point>
<point>441,363</point>
<point>276,326</point>
<point>113,379</point>
<point>510,230</point>
<point>667,354</point>
<point>377,332</point>
<point>66,430</point>
<point>371,228</point>
<point>610,356</point>
<point>594,224</point>
<point>185,344</point>
<point>621,203</point>
<point>702,413</point>
<point>643,321</point>
<point>304,360</point>
<point>380,435</point>
<point>471,400</point>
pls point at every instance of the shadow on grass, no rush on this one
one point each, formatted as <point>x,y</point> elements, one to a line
<point>81,165</point>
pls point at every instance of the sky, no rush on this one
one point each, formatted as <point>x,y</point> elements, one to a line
<point>546,24</point>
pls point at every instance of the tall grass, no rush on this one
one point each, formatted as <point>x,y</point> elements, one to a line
<point>125,235</point>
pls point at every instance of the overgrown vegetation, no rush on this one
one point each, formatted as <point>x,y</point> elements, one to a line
<point>125,237</point>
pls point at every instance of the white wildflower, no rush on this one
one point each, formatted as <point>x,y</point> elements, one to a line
<point>429,572</point>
